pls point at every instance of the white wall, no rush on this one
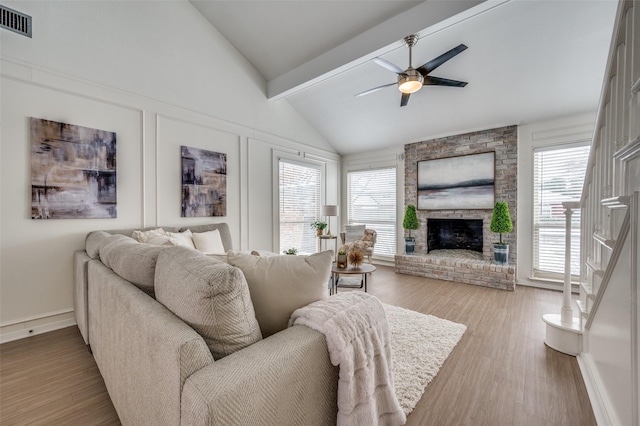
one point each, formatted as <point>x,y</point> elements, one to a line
<point>578,128</point>
<point>160,76</point>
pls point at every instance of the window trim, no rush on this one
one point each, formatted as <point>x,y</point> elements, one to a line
<point>278,156</point>
<point>395,169</point>
<point>536,274</point>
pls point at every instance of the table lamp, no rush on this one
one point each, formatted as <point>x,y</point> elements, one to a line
<point>329,210</point>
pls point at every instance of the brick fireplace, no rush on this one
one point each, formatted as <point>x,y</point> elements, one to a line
<point>474,265</point>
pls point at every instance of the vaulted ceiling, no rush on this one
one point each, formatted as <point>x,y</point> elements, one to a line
<point>527,60</point>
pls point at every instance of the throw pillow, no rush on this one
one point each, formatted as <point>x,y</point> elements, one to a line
<point>209,295</point>
<point>94,241</point>
<point>281,284</point>
<point>181,238</point>
<point>264,253</point>
<point>157,237</point>
<point>208,242</point>
<point>353,232</point>
<point>133,261</point>
<point>368,235</point>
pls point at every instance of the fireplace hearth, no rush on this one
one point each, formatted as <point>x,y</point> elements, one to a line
<point>454,234</point>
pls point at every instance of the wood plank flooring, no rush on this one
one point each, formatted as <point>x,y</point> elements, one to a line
<point>500,373</point>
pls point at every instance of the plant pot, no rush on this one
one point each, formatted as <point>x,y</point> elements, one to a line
<point>319,232</point>
<point>409,245</point>
<point>501,253</point>
<point>342,261</point>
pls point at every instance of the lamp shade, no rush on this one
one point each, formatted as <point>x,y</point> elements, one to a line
<point>329,210</point>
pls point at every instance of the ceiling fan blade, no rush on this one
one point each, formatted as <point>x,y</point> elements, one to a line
<point>435,63</point>
<point>388,65</point>
<point>437,81</point>
<point>405,99</point>
<point>375,89</point>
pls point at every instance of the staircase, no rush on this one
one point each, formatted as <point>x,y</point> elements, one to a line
<point>609,297</point>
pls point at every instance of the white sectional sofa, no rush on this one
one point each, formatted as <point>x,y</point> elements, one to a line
<point>159,370</point>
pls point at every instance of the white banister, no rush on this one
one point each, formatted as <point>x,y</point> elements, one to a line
<point>617,251</point>
<point>609,302</point>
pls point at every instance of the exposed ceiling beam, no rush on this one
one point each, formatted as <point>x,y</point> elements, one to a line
<point>426,18</point>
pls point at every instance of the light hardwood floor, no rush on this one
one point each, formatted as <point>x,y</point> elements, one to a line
<point>500,373</point>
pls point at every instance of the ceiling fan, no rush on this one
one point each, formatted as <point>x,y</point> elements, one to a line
<point>412,79</point>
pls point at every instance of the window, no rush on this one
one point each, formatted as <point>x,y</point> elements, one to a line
<point>372,201</point>
<point>299,205</point>
<point>558,176</point>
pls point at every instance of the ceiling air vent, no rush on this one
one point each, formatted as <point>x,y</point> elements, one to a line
<point>15,21</point>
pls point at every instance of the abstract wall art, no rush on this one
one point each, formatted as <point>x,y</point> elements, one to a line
<point>465,182</point>
<point>204,183</point>
<point>73,171</point>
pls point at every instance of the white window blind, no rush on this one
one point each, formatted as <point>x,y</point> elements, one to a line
<point>558,176</point>
<point>299,205</point>
<point>372,202</point>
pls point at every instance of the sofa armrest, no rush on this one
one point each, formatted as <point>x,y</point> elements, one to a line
<point>285,379</point>
<point>144,352</point>
<point>80,297</point>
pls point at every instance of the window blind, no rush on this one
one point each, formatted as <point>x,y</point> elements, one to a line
<point>299,205</point>
<point>372,201</point>
<point>558,176</point>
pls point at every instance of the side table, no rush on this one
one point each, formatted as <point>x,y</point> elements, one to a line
<point>323,243</point>
<point>364,269</point>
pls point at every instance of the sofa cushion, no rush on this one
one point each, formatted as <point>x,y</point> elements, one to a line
<point>281,284</point>
<point>208,242</point>
<point>133,261</point>
<point>264,253</point>
<point>93,243</point>
<point>181,238</point>
<point>157,237</point>
<point>209,295</point>
<point>225,234</point>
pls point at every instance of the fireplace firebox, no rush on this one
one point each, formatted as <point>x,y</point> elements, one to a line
<point>452,234</point>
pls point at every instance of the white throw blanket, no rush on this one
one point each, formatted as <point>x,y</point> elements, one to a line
<point>359,341</point>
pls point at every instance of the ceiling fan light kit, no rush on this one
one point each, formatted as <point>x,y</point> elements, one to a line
<point>412,79</point>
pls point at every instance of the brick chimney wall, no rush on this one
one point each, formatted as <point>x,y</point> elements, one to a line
<point>504,141</point>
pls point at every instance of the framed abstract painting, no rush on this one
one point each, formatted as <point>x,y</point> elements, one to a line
<point>73,171</point>
<point>204,183</point>
<point>465,182</point>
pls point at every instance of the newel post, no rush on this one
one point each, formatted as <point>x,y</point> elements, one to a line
<point>563,331</point>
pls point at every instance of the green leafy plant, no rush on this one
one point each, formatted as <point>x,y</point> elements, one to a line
<point>410,221</point>
<point>500,219</point>
<point>319,225</point>
<point>342,252</point>
<point>292,250</point>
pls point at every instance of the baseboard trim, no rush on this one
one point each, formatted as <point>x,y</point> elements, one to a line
<point>599,403</point>
<point>20,329</point>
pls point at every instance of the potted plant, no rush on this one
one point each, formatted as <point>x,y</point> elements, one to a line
<point>291,251</point>
<point>410,222</point>
<point>319,227</point>
<point>501,223</point>
<point>342,259</point>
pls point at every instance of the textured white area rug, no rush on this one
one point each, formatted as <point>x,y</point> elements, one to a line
<point>420,344</point>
